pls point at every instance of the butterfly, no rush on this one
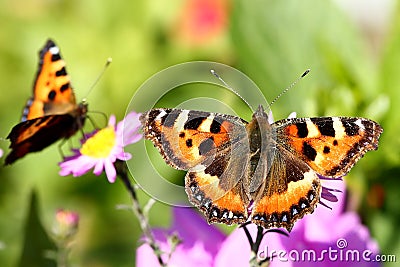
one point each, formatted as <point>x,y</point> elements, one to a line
<point>268,173</point>
<point>51,113</point>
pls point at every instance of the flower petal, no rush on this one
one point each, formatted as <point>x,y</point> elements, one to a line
<point>112,120</point>
<point>110,171</point>
<point>124,156</point>
<point>104,149</point>
<point>98,168</point>
<point>76,166</point>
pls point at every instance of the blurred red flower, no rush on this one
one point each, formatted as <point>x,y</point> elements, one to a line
<point>202,20</point>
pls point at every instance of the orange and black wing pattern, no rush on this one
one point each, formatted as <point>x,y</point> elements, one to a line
<point>266,173</point>
<point>52,112</point>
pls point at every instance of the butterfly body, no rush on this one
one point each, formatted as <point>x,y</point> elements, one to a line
<point>260,171</point>
<point>51,113</point>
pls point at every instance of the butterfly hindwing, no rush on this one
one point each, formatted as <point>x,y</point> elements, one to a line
<point>290,190</point>
<point>37,134</point>
<point>218,203</point>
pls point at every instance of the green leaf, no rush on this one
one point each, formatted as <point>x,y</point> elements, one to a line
<point>36,241</point>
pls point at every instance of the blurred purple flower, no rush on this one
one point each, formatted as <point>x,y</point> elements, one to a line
<point>200,242</point>
<point>326,229</point>
<point>203,245</point>
<point>101,148</point>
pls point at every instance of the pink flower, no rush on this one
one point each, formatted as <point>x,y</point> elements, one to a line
<point>325,229</point>
<point>66,223</point>
<point>103,147</point>
<point>204,245</point>
<point>199,247</point>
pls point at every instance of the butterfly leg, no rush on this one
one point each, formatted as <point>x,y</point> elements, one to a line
<point>60,145</point>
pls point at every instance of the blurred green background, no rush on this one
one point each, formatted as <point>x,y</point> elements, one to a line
<point>352,48</point>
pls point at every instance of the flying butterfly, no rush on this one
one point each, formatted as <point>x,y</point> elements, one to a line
<point>51,113</point>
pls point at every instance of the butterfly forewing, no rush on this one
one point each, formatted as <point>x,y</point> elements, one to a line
<point>329,145</point>
<point>51,113</point>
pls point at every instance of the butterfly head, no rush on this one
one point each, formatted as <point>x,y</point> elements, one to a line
<point>84,105</point>
<point>260,111</point>
<point>260,115</point>
<point>82,109</point>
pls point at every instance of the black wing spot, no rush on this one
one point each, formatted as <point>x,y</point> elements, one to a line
<point>55,57</point>
<point>327,149</point>
<point>189,143</point>
<point>182,135</point>
<point>61,72</point>
<point>52,95</point>
<point>64,87</point>
<point>335,142</point>
<point>309,151</point>
<point>325,126</point>
<point>215,127</point>
<point>194,123</point>
<point>302,130</point>
<point>195,119</point>
<point>350,127</point>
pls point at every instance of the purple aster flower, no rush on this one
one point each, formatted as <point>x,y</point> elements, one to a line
<point>101,148</point>
<point>199,247</point>
<point>326,238</point>
<point>332,230</point>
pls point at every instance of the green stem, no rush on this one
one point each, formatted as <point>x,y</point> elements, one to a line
<point>144,224</point>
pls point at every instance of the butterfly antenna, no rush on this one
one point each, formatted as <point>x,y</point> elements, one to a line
<point>229,87</point>
<point>108,62</point>
<point>290,86</point>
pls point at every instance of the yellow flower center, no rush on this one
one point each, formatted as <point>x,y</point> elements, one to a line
<point>100,144</point>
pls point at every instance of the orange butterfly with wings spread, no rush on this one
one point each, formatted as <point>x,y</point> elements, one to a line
<point>51,113</point>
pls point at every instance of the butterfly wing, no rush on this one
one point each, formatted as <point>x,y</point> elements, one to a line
<point>271,170</point>
<point>52,91</point>
<point>187,138</point>
<point>36,134</point>
<point>290,190</point>
<point>52,113</point>
<point>305,147</point>
<point>214,191</point>
<point>329,145</point>
<point>209,145</point>
<point>297,150</point>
